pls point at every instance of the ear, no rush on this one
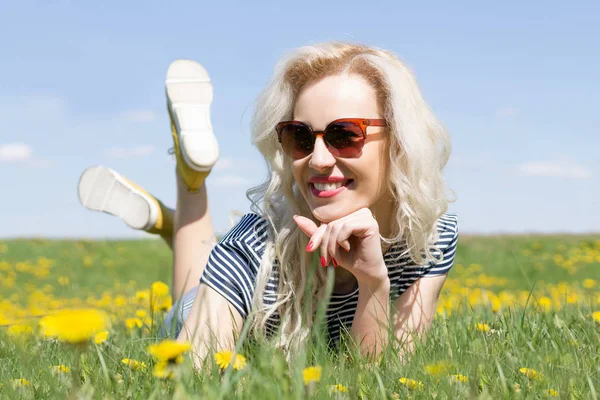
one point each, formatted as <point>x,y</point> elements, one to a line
<point>306,225</point>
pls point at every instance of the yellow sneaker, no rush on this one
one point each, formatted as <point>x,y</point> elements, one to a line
<point>189,96</point>
<point>102,189</point>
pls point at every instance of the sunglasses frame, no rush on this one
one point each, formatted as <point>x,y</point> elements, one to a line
<point>363,123</point>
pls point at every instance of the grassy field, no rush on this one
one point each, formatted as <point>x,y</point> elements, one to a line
<point>519,317</point>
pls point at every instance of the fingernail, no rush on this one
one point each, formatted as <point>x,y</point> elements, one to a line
<point>335,264</point>
<point>322,261</point>
<point>309,246</point>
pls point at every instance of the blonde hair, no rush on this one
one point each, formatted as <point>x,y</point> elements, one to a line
<point>419,148</point>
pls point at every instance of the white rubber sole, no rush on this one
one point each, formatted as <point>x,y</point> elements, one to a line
<point>102,189</point>
<point>189,97</point>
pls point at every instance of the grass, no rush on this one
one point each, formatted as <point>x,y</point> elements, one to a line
<point>515,320</point>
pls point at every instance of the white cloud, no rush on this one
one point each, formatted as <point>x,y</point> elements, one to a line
<point>139,116</point>
<point>230,180</point>
<point>508,112</point>
<point>229,163</point>
<point>23,154</point>
<point>557,169</point>
<point>224,164</point>
<point>15,152</point>
<point>122,152</point>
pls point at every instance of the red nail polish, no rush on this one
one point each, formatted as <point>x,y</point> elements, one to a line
<point>322,261</point>
<point>335,264</point>
<point>309,246</point>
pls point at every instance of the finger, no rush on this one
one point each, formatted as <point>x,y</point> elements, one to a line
<point>351,228</point>
<point>306,225</point>
<point>316,238</point>
<point>325,258</point>
<point>332,244</point>
<point>344,244</point>
<point>357,219</point>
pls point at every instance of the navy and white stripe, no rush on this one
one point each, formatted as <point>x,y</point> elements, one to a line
<point>234,262</point>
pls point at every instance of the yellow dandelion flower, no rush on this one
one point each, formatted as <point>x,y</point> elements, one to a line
<point>133,323</point>
<point>134,364</point>
<point>531,373</point>
<point>311,374</point>
<point>142,295</point>
<point>170,351</point>
<point>75,325</point>
<point>481,327</point>
<point>101,337</point>
<point>545,303</point>
<point>59,369</point>
<point>162,370</point>
<point>437,368</point>
<point>63,280</point>
<point>459,378</point>
<point>159,289</point>
<point>87,261</point>
<point>596,316</point>
<point>411,383</point>
<point>225,357</point>
<point>589,283</point>
<point>338,388</point>
<point>19,330</point>
<point>20,382</point>
<point>120,301</point>
<point>552,392</point>
<point>141,313</point>
<point>160,300</point>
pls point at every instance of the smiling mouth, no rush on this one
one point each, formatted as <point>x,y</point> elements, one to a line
<point>329,189</point>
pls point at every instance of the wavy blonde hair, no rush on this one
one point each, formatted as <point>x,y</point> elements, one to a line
<point>419,148</point>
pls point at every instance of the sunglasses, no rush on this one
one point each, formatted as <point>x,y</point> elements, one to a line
<point>343,137</point>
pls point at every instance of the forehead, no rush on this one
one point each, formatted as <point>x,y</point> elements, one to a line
<point>334,97</point>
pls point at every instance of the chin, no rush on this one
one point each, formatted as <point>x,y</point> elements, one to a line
<point>329,213</point>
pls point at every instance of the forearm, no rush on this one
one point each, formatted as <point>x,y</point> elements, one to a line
<point>414,310</point>
<point>370,324</point>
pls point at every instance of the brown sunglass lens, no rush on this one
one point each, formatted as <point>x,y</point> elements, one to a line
<point>297,140</point>
<point>345,138</point>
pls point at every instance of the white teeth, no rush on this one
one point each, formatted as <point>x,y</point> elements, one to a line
<point>328,186</point>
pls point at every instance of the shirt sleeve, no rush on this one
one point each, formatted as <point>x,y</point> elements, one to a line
<point>447,242</point>
<point>233,262</point>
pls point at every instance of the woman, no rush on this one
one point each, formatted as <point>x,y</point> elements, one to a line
<point>355,161</point>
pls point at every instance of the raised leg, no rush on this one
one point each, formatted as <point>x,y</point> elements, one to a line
<point>193,238</point>
<point>189,96</point>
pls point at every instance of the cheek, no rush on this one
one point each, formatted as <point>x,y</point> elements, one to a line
<point>374,171</point>
<point>297,172</point>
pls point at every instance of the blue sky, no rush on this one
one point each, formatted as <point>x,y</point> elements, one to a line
<point>82,83</point>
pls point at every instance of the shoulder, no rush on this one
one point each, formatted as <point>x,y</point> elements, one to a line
<point>447,227</point>
<point>250,226</point>
<point>234,261</point>
<point>248,236</point>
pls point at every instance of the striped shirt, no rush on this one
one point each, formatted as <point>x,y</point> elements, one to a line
<point>234,263</point>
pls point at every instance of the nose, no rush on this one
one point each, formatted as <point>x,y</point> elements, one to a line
<point>321,158</point>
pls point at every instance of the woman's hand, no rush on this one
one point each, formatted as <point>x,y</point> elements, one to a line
<point>352,242</point>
